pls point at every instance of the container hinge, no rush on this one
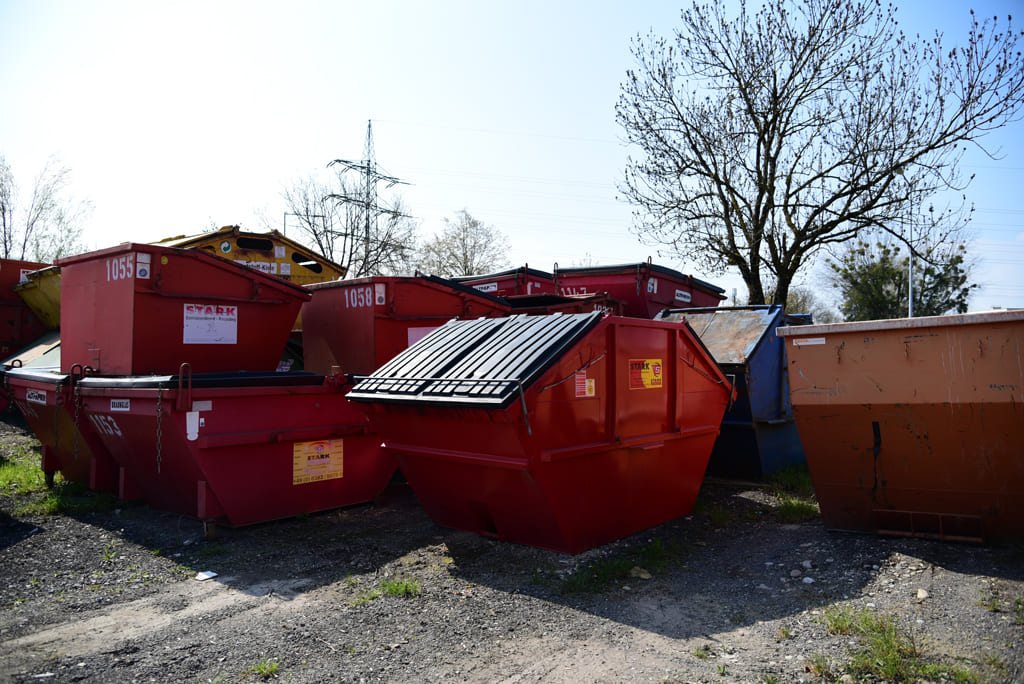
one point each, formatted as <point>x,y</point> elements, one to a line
<point>159,428</point>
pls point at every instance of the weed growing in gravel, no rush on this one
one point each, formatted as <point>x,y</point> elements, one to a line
<point>783,633</point>
<point>405,588</point>
<point>109,552</point>
<point>794,510</point>
<point>989,601</point>
<point>601,573</point>
<point>20,472</point>
<point>839,619</point>
<point>769,678</point>
<point>794,489</point>
<point>266,668</point>
<point>819,665</point>
<point>885,651</point>
<point>1018,612</point>
<point>365,597</point>
<point>702,652</point>
<point>722,670</point>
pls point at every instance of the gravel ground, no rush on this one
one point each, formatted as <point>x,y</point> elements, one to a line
<point>728,594</point>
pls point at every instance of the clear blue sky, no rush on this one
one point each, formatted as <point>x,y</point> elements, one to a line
<point>177,116</point>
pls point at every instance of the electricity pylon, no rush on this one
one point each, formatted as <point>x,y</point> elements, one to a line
<point>367,199</point>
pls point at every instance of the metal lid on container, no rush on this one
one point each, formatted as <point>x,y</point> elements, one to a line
<point>732,334</point>
<point>483,362</point>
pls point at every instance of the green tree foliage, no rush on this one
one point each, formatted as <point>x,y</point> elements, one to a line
<point>872,281</point>
<point>466,246</point>
<point>760,138</point>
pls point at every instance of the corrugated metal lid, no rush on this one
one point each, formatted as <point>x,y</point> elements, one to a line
<point>730,334</point>
<point>480,362</point>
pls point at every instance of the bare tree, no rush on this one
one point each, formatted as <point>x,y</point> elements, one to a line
<point>337,229</point>
<point>466,246</point>
<point>765,137</point>
<point>50,226</point>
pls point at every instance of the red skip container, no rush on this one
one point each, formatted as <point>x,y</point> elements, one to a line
<point>19,325</point>
<point>514,282</point>
<point>565,431</point>
<point>645,288</point>
<point>52,408</point>
<point>238,447</point>
<point>914,426</point>
<point>355,326</point>
<point>140,309</point>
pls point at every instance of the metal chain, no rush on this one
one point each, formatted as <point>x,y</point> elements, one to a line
<point>78,410</point>
<point>159,428</point>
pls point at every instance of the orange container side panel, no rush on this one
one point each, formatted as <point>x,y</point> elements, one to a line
<point>914,426</point>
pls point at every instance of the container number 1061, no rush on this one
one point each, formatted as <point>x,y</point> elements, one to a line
<point>120,268</point>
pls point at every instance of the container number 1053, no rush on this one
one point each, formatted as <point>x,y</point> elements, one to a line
<point>358,296</point>
<point>120,268</point>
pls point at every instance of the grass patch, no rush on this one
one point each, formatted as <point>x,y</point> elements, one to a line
<point>794,510</point>
<point>403,588</point>
<point>702,652</point>
<point>20,473</point>
<point>266,668</point>
<point>794,489</point>
<point>67,498</point>
<point>820,666</point>
<point>885,650</point>
<point>603,572</point>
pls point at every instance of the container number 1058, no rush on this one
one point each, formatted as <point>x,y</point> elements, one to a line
<point>358,296</point>
<point>120,268</point>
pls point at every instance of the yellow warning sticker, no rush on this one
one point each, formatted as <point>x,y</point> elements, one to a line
<point>316,461</point>
<point>645,374</point>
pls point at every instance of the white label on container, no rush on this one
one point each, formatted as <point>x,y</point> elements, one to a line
<point>487,287</point>
<point>379,294</point>
<point>120,404</point>
<point>683,296</point>
<point>417,334</point>
<point>279,252</point>
<point>652,285</point>
<point>23,278</point>
<point>143,265</point>
<point>286,269</point>
<point>192,425</point>
<point>204,405</point>
<point>807,341</point>
<point>210,324</point>
<point>35,396</point>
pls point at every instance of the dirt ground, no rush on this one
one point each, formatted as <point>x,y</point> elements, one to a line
<point>380,593</point>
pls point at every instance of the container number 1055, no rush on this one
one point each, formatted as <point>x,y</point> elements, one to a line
<point>358,296</point>
<point>120,268</point>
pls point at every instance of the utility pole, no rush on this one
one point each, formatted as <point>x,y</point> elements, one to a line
<point>367,199</point>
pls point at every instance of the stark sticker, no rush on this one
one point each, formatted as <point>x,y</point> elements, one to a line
<point>645,374</point>
<point>210,324</point>
<point>317,461</point>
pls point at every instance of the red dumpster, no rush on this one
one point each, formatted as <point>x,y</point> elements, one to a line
<point>564,431</point>
<point>355,326</point>
<point>19,325</point>
<point>517,281</point>
<point>137,309</point>
<point>914,426</point>
<point>549,303</point>
<point>52,408</point>
<point>237,447</point>
<point>645,288</point>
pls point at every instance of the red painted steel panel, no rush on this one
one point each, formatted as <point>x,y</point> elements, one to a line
<point>516,282</point>
<point>355,326</point>
<point>241,454</point>
<point>914,426</point>
<point>608,446</point>
<point>19,325</point>
<point>645,288</point>
<point>549,303</point>
<point>70,444</point>
<point>137,309</point>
